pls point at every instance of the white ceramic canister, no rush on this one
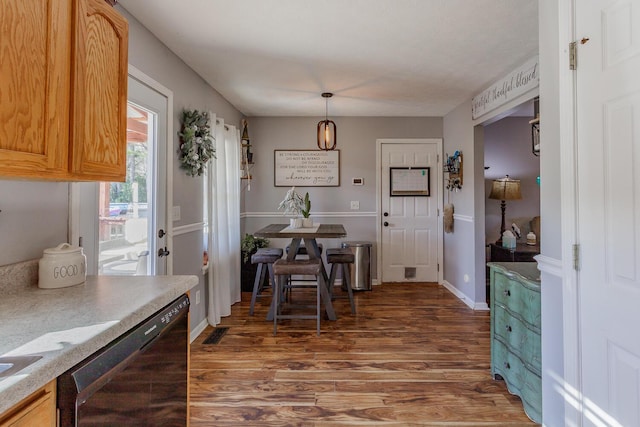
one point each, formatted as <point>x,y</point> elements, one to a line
<point>62,266</point>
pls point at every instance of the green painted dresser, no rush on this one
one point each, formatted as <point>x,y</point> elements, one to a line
<point>515,331</point>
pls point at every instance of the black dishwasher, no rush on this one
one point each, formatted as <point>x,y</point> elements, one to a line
<point>140,379</point>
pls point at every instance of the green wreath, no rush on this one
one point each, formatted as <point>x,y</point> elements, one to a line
<point>196,142</point>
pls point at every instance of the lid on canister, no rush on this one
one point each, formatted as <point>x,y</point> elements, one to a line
<point>356,244</point>
<point>63,248</point>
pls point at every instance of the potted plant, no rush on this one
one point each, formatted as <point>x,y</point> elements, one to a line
<point>306,211</point>
<point>249,246</point>
<point>293,204</point>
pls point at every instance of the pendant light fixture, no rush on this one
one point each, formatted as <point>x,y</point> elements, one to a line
<point>327,128</point>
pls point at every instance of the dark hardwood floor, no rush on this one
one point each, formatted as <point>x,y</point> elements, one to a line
<point>413,355</point>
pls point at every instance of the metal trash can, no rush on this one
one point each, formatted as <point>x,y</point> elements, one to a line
<point>361,268</point>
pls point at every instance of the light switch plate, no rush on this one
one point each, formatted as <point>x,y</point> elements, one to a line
<point>175,213</point>
<point>355,205</point>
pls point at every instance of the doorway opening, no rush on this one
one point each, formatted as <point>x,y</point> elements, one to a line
<point>508,151</point>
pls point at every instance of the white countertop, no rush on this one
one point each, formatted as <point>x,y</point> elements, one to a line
<point>66,325</point>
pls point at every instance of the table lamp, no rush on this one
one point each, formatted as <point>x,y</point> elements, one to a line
<point>505,189</point>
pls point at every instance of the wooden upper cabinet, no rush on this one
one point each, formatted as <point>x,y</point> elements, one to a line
<point>34,87</point>
<point>63,90</point>
<point>99,88</point>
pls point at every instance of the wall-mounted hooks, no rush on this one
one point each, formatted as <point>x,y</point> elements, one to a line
<point>453,167</point>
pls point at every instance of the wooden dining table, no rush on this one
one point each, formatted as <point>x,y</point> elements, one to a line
<point>309,236</point>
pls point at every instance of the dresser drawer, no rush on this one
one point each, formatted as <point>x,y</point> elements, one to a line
<point>518,337</point>
<point>517,298</point>
<point>520,380</point>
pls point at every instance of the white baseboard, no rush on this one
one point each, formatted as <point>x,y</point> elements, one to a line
<point>198,330</point>
<point>480,306</point>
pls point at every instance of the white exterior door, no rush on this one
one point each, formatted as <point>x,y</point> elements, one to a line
<point>409,223</point>
<point>608,145</point>
<point>122,226</point>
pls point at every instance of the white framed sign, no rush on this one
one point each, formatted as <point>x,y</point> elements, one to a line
<point>306,168</point>
<point>514,84</point>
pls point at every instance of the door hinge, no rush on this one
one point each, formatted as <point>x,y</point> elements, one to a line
<point>573,55</point>
<point>576,257</point>
<point>438,267</point>
<point>438,212</point>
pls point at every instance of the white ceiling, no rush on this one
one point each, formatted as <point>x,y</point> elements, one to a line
<point>379,57</point>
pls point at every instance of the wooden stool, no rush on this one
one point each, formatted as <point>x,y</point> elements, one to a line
<point>302,250</point>
<point>341,257</point>
<point>264,257</point>
<point>283,268</point>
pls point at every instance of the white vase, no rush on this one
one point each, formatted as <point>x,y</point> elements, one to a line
<point>295,222</point>
<point>307,222</point>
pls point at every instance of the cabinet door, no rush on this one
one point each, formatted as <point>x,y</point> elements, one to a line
<point>99,92</point>
<point>39,409</point>
<point>34,87</point>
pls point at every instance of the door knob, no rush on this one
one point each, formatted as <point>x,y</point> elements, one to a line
<point>161,233</point>
<point>386,214</point>
<point>163,252</point>
<point>386,224</point>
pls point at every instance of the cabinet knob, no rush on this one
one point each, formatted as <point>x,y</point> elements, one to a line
<point>507,293</point>
<point>506,365</point>
<point>508,328</point>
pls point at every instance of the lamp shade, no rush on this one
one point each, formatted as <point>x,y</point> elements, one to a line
<point>505,189</point>
<point>327,132</point>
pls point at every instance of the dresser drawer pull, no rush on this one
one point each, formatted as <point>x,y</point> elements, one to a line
<point>507,293</point>
<point>506,365</point>
<point>508,328</point>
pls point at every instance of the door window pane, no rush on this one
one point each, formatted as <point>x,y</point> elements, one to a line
<point>124,206</point>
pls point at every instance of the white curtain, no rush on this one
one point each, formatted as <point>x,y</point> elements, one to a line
<point>223,212</point>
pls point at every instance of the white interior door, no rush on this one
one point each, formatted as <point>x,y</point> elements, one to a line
<point>123,226</point>
<point>409,223</point>
<point>608,115</point>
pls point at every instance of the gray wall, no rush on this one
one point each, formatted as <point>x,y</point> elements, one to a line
<point>357,144</point>
<point>507,151</point>
<point>34,217</point>
<point>190,91</point>
<point>460,251</point>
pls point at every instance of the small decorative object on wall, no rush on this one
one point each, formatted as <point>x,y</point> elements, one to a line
<point>307,168</point>
<point>409,181</point>
<point>196,142</point>
<point>246,154</point>
<point>448,218</point>
<point>453,167</point>
<point>535,128</point>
